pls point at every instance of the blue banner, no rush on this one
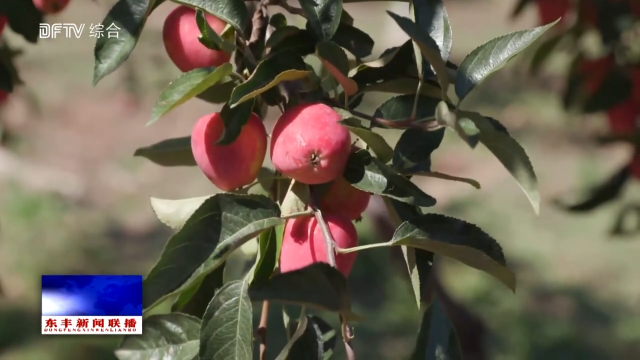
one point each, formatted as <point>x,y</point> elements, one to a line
<point>91,295</point>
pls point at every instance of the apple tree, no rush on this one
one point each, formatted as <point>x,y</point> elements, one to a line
<point>324,160</point>
<point>604,78</point>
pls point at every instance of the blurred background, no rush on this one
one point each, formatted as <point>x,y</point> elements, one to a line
<point>74,200</point>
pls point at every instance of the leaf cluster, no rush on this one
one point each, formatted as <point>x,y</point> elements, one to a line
<point>190,313</point>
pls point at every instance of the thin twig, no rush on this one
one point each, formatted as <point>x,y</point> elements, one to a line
<point>329,242</point>
<point>262,329</point>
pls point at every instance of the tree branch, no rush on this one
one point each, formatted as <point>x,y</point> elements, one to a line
<point>262,329</point>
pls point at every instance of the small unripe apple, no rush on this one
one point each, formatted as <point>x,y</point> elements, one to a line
<point>180,35</point>
<point>309,145</point>
<point>49,7</point>
<point>344,199</point>
<point>623,118</point>
<point>303,243</point>
<point>232,166</point>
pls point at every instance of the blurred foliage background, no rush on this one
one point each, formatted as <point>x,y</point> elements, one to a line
<point>74,200</point>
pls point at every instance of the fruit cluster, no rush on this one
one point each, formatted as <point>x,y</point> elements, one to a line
<point>307,145</point>
<point>46,7</point>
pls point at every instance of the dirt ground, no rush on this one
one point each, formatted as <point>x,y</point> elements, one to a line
<point>70,176</point>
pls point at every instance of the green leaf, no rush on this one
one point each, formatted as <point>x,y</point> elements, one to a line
<point>282,33</point>
<point>175,213</point>
<point>175,334</point>
<point>209,37</point>
<point>278,20</point>
<point>605,192</point>
<point>219,93</point>
<point>404,86</point>
<point>221,224</point>
<point>354,40</point>
<point>170,152</point>
<point>282,66</point>
<point>492,56</point>
<point>323,16</point>
<point>129,16</point>
<point>428,48</point>
<point>510,154</point>
<point>233,12</point>
<point>6,80</point>
<point>317,286</point>
<point>414,148</point>
<point>464,127</point>
<point>313,340</point>
<point>234,120</point>
<point>437,339</point>
<point>395,113</point>
<point>296,199</point>
<point>369,174</point>
<point>336,62</point>
<point>392,63</point>
<point>456,239</point>
<point>196,299</point>
<point>227,331</point>
<point>432,15</point>
<point>186,87</point>
<point>267,255</point>
<point>23,18</point>
<point>375,141</point>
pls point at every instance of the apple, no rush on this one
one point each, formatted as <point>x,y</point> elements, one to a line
<point>550,10</point>
<point>309,145</point>
<point>180,34</point>
<point>623,118</point>
<point>344,199</point>
<point>50,6</point>
<point>3,23</point>
<point>303,243</point>
<point>231,166</point>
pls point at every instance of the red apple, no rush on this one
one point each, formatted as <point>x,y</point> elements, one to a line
<point>303,243</point>
<point>594,71</point>
<point>588,12</point>
<point>309,145</point>
<point>623,118</point>
<point>344,199</point>
<point>231,166</point>
<point>3,23</point>
<point>550,10</point>
<point>50,6</point>
<point>180,35</point>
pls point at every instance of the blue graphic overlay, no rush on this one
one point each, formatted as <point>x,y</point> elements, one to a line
<point>91,295</point>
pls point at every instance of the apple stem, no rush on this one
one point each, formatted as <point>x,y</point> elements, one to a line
<point>262,329</point>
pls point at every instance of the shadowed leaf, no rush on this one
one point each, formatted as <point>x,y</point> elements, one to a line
<point>282,33</point>
<point>219,93</point>
<point>432,15</point>
<point>335,61</point>
<point>234,120</point>
<point>267,255</point>
<point>129,18</point>
<point>23,18</point>
<point>354,40</point>
<point>491,56</point>
<point>233,12</point>
<point>510,153</point>
<point>318,286</point>
<point>393,63</point>
<point>395,113</point>
<point>187,86</point>
<point>209,37</point>
<point>226,331</point>
<point>176,334</point>
<point>630,213</point>
<point>282,66</point>
<point>6,80</point>
<point>195,300</point>
<point>404,86</point>
<point>375,141</point>
<point>174,213</point>
<point>602,194</point>
<point>414,148</point>
<point>437,338</point>
<point>170,152</point>
<point>314,339</point>
<point>428,48</point>
<point>323,16</point>
<point>369,174</point>
<point>223,223</point>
